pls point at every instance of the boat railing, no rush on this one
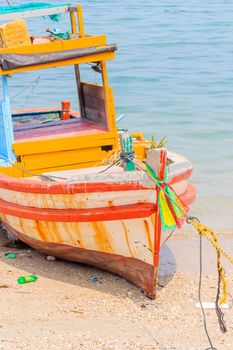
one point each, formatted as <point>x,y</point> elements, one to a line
<point>75,12</point>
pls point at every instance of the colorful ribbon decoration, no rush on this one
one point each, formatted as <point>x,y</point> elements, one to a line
<point>172,210</point>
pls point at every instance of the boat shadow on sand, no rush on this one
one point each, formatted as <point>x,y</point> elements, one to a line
<point>88,277</point>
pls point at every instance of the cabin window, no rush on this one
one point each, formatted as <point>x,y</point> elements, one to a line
<point>58,96</point>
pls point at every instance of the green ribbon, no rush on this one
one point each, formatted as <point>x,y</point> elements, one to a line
<point>170,197</point>
<point>155,177</point>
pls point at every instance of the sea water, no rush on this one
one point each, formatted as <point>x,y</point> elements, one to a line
<point>172,76</point>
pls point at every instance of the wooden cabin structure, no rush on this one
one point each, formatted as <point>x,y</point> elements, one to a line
<point>80,140</point>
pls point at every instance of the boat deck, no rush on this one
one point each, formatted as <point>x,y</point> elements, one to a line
<point>79,127</point>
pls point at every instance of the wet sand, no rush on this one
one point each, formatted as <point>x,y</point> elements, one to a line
<point>65,310</point>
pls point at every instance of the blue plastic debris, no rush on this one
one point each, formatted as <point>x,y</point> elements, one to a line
<point>94,279</point>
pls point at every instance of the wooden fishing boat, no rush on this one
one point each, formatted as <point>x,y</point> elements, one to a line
<point>57,192</point>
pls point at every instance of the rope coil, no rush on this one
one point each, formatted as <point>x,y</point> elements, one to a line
<point>127,156</point>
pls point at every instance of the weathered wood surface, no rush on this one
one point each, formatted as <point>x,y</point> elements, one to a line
<point>94,103</point>
<point>79,128</point>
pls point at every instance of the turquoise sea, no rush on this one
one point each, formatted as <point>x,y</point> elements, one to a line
<point>173,76</point>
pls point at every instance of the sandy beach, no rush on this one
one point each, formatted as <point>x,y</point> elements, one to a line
<point>68,130</point>
<point>64,309</point>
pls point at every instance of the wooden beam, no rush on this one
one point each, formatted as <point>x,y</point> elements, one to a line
<point>59,144</point>
<point>34,13</point>
<point>106,91</point>
<point>80,21</point>
<point>62,45</point>
<point>73,61</point>
<point>80,91</point>
<point>73,23</point>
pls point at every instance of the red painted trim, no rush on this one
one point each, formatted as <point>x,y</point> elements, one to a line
<point>79,215</point>
<point>183,176</point>
<point>24,185</point>
<point>28,186</point>
<point>189,196</point>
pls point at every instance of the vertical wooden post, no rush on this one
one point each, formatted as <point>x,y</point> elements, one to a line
<point>73,22</point>
<point>80,91</point>
<point>106,91</point>
<point>156,159</point>
<point>127,148</point>
<point>76,66</point>
<point>80,21</point>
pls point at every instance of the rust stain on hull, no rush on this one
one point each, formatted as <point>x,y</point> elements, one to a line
<point>127,237</point>
<point>134,270</point>
<point>52,229</point>
<point>101,237</point>
<point>40,232</point>
<point>147,229</point>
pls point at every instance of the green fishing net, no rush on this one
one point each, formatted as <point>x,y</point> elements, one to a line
<point>32,6</point>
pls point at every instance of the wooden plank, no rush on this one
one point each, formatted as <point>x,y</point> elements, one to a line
<point>94,90</point>
<point>80,21</point>
<point>63,167</point>
<point>34,13</point>
<point>107,95</point>
<point>96,116</point>
<point>79,89</point>
<point>79,128</point>
<point>112,112</point>
<point>61,45</point>
<point>73,23</point>
<point>59,159</point>
<point>95,103</point>
<point>64,143</point>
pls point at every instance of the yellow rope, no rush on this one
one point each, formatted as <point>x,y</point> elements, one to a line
<point>209,234</point>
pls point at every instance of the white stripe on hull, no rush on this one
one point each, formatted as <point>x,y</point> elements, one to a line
<point>85,200</point>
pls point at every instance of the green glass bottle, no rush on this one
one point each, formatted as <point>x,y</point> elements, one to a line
<point>27,279</point>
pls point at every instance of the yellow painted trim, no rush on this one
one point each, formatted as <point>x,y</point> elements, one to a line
<point>61,45</point>
<point>138,135</point>
<point>11,170</point>
<point>63,158</point>
<point>80,21</point>
<point>30,161</point>
<point>58,144</point>
<point>73,23</point>
<point>106,91</point>
<point>112,117</point>
<point>65,167</point>
<point>79,60</point>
